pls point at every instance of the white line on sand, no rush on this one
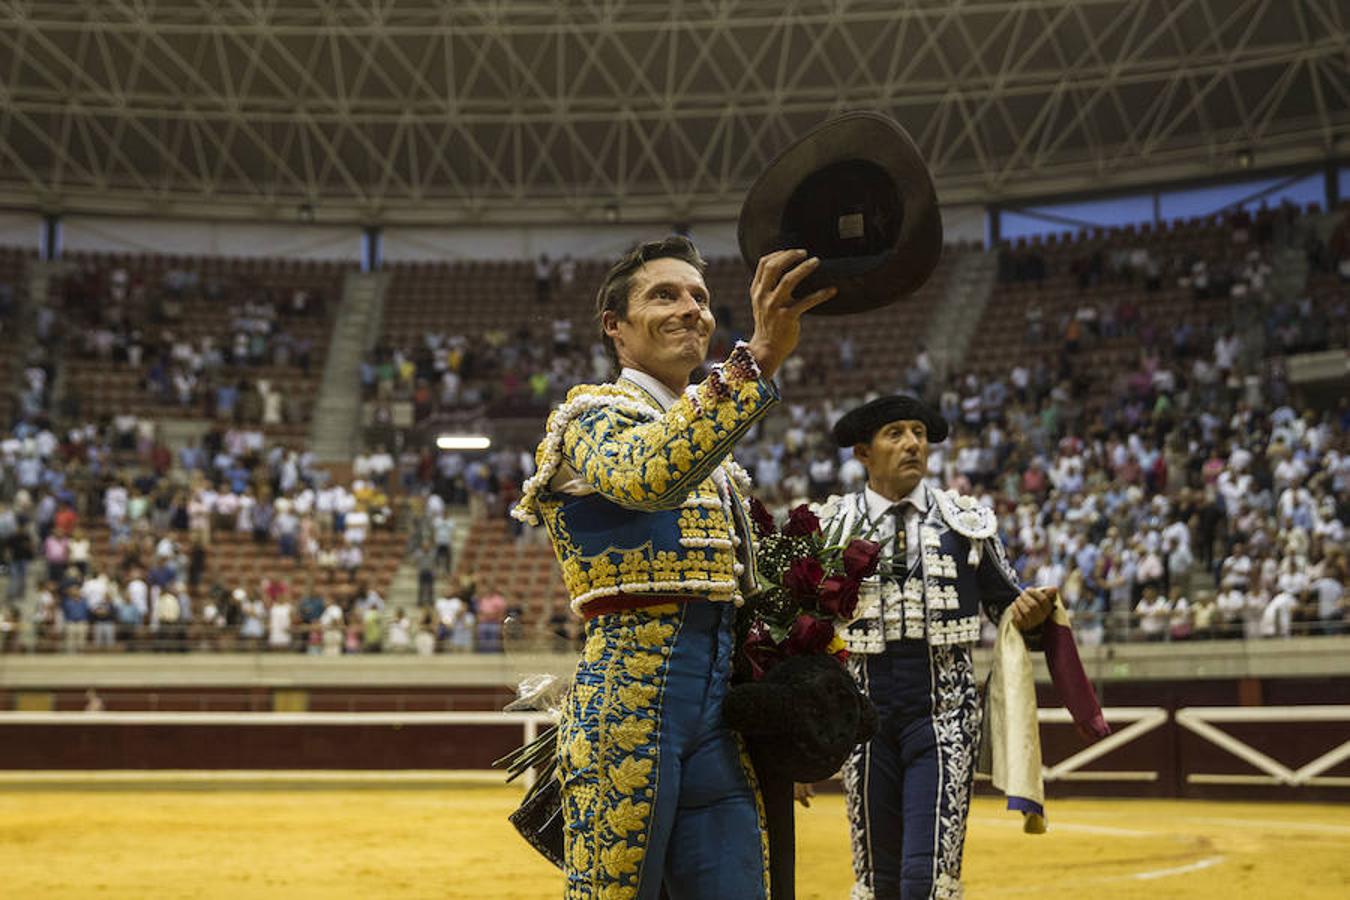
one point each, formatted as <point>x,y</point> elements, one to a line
<point>1147,875</point>
<point>1284,824</point>
<point>1179,870</point>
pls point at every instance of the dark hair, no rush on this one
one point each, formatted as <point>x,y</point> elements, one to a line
<point>614,290</point>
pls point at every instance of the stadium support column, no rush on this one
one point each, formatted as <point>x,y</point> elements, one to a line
<point>1332,181</point>
<point>51,237</point>
<point>995,224</point>
<point>372,247</point>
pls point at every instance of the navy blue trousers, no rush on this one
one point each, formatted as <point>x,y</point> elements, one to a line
<point>657,790</point>
<point>908,789</point>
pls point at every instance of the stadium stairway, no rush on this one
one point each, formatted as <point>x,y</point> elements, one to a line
<point>951,328</point>
<point>337,414</point>
<point>30,278</point>
<point>17,336</point>
<point>525,571</point>
<point>403,586</point>
<point>1289,273</point>
<point>1288,283</point>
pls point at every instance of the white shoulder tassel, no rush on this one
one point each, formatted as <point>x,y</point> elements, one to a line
<point>976,548</point>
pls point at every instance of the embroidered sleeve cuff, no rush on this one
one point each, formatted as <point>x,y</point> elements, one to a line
<point>740,366</point>
<point>739,374</point>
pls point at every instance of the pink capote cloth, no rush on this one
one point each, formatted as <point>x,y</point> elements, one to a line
<point>1010,750</point>
<point>1066,671</point>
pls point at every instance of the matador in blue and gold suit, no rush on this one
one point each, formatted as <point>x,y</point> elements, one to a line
<point>645,511</point>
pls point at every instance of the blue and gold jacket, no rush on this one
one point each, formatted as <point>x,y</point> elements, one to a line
<point>641,501</point>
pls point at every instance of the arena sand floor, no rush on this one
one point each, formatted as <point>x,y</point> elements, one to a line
<point>75,839</point>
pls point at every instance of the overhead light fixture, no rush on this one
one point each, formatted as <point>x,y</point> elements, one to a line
<point>463,442</point>
<point>1244,159</point>
<point>305,213</point>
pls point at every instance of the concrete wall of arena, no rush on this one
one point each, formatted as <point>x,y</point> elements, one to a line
<point>1260,720</point>
<point>20,229</point>
<point>1195,739</point>
<point>104,234</point>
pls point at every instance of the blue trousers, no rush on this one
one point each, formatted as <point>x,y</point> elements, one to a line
<point>656,789</point>
<point>908,789</point>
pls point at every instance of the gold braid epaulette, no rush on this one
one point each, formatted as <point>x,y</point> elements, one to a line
<point>580,399</point>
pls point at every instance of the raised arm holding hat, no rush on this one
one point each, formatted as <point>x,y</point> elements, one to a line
<point>643,505</point>
<point>908,789</point>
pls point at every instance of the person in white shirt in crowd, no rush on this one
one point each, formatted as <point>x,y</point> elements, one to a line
<point>79,551</point>
<point>1292,573</point>
<point>1154,614</point>
<point>243,523</point>
<point>115,505</point>
<point>280,618</point>
<point>167,619</point>
<point>380,464</point>
<point>1290,470</point>
<point>424,640</point>
<point>562,334</point>
<point>1277,617</point>
<point>852,474</point>
<point>367,598</point>
<point>333,622</point>
<point>1232,605</point>
<point>462,627</point>
<point>443,533</point>
<point>821,473</point>
<point>211,626</point>
<point>1204,616</point>
<point>567,271</point>
<point>350,557</point>
<point>1329,589</point>
<point>1296,505</point>
<point>1150,571</point>
<point>398,639</point>
<point>97,591</point>
<point>344,504</point>
<point>325,506</point>
<point>253,627</point>
<point>1179,625</point>
<point>448,610</point>
<point>1226,350</point>
<point>1235,486</point>
<point>225,509</point>
<point>1236,570</point>
<point>326,556</point>
<point>356,525</point>
<point>286,529</point>
<point>1257,597</point>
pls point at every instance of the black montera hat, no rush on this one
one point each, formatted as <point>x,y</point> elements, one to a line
<point>856,193</point>
<point>858,426</point>
<point>810,708</point>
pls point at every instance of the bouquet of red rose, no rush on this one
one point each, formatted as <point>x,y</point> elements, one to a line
<point>809,582</point>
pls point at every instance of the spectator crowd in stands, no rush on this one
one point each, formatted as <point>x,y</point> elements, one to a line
<point>1160,469</point>
<point>520,371</point>
<point>148,328</point>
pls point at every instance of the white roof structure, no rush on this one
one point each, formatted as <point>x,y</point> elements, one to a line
<point>482,111</point>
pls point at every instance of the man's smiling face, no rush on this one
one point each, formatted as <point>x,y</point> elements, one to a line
<point>669,322</point>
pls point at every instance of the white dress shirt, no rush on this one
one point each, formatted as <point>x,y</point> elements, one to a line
<point>878,512</point>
